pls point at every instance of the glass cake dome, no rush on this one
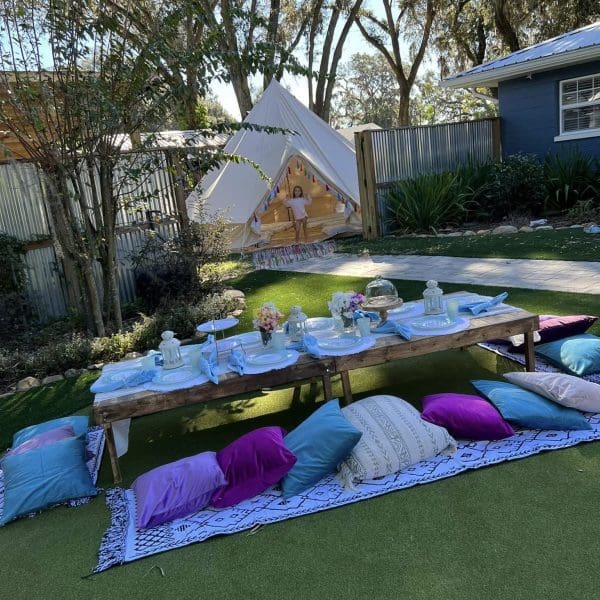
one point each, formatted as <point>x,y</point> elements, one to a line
<point>381,289</point>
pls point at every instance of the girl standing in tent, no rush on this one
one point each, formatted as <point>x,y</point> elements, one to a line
<point>298,204</point>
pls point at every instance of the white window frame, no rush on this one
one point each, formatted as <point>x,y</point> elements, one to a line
<point>583,133</point>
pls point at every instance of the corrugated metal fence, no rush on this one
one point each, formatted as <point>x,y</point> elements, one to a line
<point>23,215</point>
<point>386,156</point>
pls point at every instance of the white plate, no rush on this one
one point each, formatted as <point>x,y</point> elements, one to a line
<point>263,359</point>
<point>432,323</point>
<point>174,376</point>
<point>339,343</point>
<point>319,323</point>
<point>217,325</point>
<point>251,337</point>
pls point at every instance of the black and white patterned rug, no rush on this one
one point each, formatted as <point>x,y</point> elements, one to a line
<point>94,450</point>
<point>123,542</point>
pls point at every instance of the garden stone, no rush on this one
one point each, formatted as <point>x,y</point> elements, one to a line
<point>231,294</point>
<point>483,232</point>
<point>95,367</point>
<point>131,355</point>
<point>237,313</point>
<point>454,234</point>
<point>27,383</point>
<point>469,232</point>
<point>52,379</point>
<point>73,372</point>
<point>544,228</point>
<point>505,229</point>
<point>576,226</point>
<point>526,229</point>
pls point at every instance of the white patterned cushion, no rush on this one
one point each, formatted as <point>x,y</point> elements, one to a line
<point>393,437</point>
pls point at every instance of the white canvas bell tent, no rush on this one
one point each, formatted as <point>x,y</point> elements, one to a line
<point>314,156</point>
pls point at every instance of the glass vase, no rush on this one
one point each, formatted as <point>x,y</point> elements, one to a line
<point>347,324</point>
<point>266,337</point>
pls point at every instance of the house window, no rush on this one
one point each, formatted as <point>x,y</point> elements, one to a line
<point>579,107</point>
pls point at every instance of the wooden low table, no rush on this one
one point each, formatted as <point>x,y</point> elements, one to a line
<point>386,349</point>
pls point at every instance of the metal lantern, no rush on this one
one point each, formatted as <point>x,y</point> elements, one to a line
<point>170,350</point>
<point>432,298</point>
<point>296,324</point>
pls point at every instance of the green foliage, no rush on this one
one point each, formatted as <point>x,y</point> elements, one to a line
<point>584,211</point>
<point>571,178</point>
<point>428,201</point>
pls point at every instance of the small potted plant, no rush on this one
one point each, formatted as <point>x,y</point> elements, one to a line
<point>266,321</point>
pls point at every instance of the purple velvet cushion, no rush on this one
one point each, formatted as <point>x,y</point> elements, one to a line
<point>251,464</point>
<point>554,328</point>
<point>43,439</point>
<point>176,489</point>
<point>465,416</point>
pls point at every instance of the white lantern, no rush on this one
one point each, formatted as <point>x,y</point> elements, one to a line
<point>432,298</point>
<point>170,350</point>
<point>296,324</point>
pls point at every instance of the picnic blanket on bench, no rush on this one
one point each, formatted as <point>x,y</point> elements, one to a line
<point>123,542</point>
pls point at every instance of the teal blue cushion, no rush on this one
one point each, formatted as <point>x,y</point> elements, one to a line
<point>529,409</point>
<point>578,354</point>
<point>320,444</point>
<point>79,424</point>
<point>45,476</point>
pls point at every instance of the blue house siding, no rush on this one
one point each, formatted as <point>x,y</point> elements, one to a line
<point>529,113</point>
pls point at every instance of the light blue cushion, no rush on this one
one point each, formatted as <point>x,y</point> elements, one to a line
<point>320,443</point>
<point>78,423</point>
<point>578,354</point>
<point>45,476</point>
<point>529,409</point>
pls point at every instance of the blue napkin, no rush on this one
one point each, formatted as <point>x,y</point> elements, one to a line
<point>311,345</point>
<point>482,306</point>
<point>359,314</point>
<point>210,366</point>
<point>237,360</point>
<point>394,327</point>
<point>103,384</point>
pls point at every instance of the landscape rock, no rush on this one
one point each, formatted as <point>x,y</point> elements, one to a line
<point>576,226</point>
<point>27,383</point>
<point>131,355</point>
<point>525,229</point>
<point>504,229</point>
<point>454,234</point>
<point>237,313</point>
<point>95,367</point>
<point>469,232</point>
<point>544,228</point>
<point>231,294</point>
<point>74,372</point>
<point>483,232</point>
<point>52,379</point>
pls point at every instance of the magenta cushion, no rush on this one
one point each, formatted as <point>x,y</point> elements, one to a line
<point>43,439</point>
<point>465,416</point>
<point>176,489</point>
<point>251,464</point>
<point>554,328</point>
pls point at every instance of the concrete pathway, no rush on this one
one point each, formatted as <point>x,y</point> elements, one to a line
<point>557,275</point>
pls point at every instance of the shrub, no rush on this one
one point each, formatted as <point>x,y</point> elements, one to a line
<point>518,185</point>
<point>570,178</point>
<point>428,201</point>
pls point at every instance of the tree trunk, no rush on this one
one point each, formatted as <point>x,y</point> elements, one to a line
<point>404,110</point>
<point>504,26</point>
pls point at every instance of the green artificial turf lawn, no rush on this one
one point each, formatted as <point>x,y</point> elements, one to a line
<point>524,529</point>
<point>564,244</point>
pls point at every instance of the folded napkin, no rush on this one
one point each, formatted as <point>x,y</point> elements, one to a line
<point>311,345</point>
<point>209,363</point>
<point>482,306</point>
<point>237,360</point>
<point>372,316</point>
<point>109,384</point>
<point>394,327</point>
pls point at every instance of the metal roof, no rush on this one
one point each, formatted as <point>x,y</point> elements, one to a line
<point>577,46</point>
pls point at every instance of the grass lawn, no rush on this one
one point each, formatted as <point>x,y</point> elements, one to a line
<point>564,244</point>
<point>523,529</point>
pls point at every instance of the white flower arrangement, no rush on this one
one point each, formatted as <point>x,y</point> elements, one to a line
<point>343,304</point>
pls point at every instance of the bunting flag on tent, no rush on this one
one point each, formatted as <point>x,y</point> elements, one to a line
<point>273,257</point>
